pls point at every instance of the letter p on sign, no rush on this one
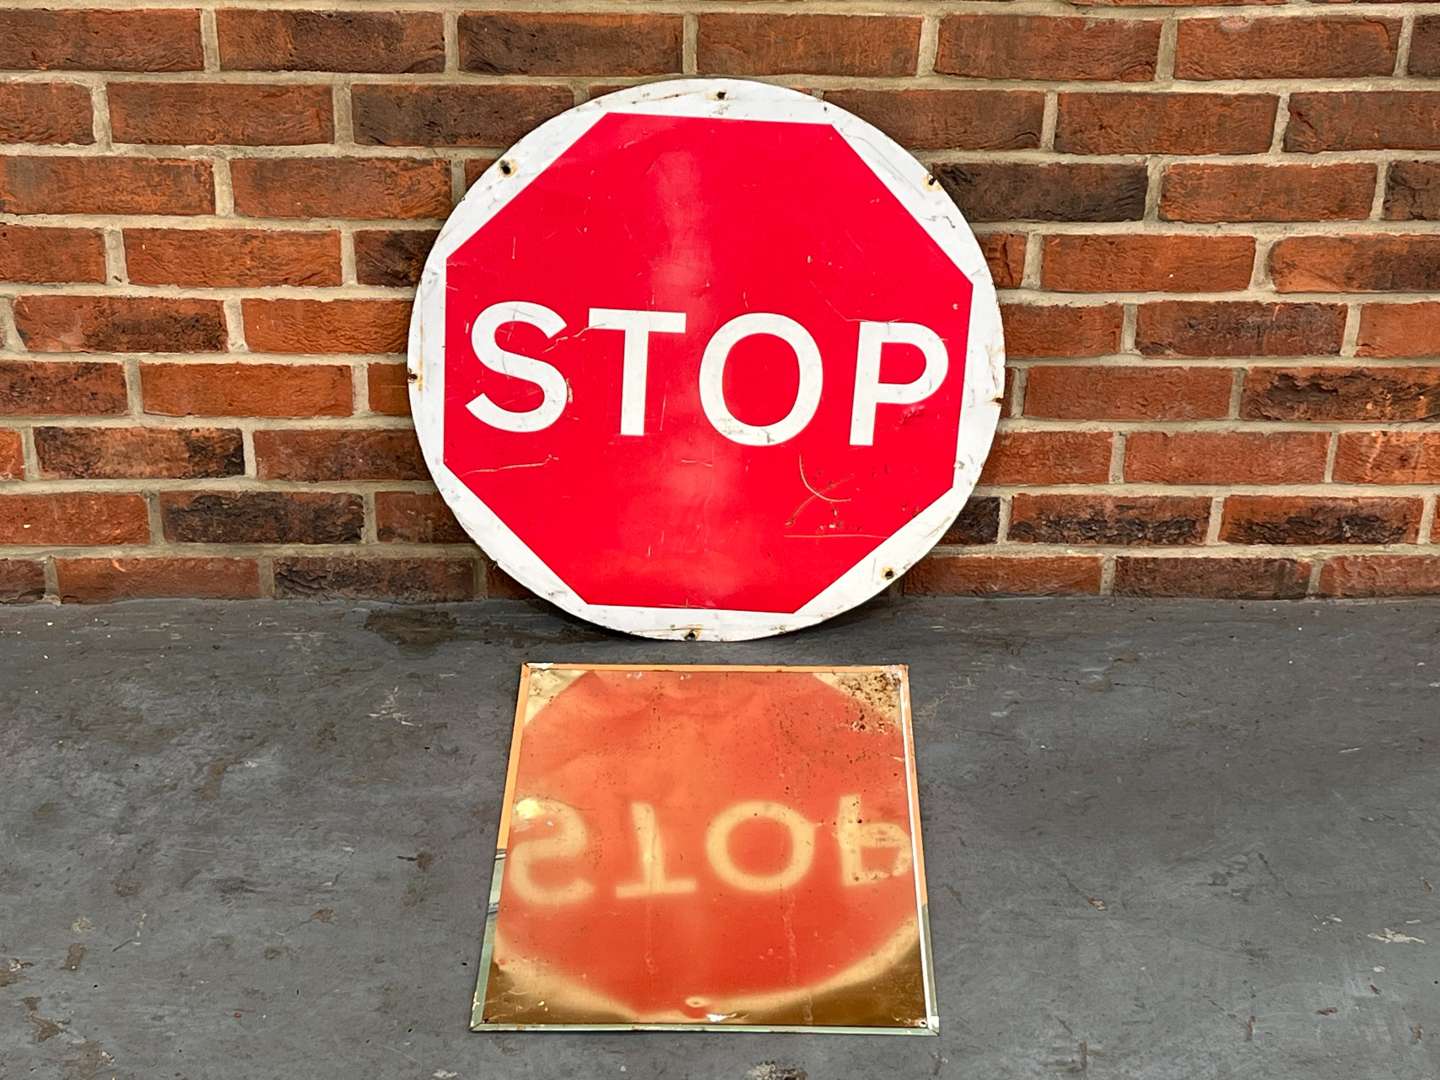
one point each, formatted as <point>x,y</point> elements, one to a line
<point>706,359</point>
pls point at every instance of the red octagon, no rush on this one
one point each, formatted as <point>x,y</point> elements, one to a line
<point>705,217</point>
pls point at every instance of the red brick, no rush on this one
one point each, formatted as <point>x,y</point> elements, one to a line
<point>544,43</point>
<point>1129,393</point>
<point>101,581</point>
<point>389,389</point>
<point>326,326</point>
<point>1380,575</point>
<point>77,517</point>
<point>1285,48</point>
<point>1304,519</point>
<point>415,517</point>
<point>950,119</point>
<point>1425,46</point>
<point>114,453</point>
<point>261,517</point>
<point>1133,123</point>
<point>105,185</point>
<point>1212,578</point>
<point>1226,457</point>
<point>1195,191</point>
<point>1059,330</point>
<point>1238,328</point>
<point>246,389</point>
<point>1326,393</point>
<point>990,575</point>
<point>475,168</point>
<point>79,40</point>
<point>1388,457</point>
<point>453,115</point>
<point>391,257</point>
<point>346,41</point>
<point>1399,330</point>
<point>34,254</point>
<point>330,454</point>
<point>1019,191</point>
<point>1412,191</point>
<point>1146,520</point>
<point>119,324</point>
<point>1005,255</point>
<point>1044,47</point>
<point>232,257</point>
<point>1147,263</point>
<point>12,456</point>
<point>1370,263</point>
<point>209,114</point>
<point>501,586</point>
<point>366,188</point>
<point>55,388</point>
<point>1048,457</point>
<point>1361,120</point>
<point>406,580</point>
<point>21,581</point>
<point>977,523</point>
<point>755,43</point>
<point>45,113</point>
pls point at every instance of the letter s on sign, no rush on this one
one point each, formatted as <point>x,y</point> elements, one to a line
<point>543,375</point>
<point>566,840</point>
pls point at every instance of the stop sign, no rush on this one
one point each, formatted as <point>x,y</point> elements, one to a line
<point>706,358</point>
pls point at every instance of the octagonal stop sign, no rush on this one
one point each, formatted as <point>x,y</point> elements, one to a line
<point>706,358</point>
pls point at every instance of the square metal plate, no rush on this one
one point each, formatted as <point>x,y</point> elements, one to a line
<point>712,848</point>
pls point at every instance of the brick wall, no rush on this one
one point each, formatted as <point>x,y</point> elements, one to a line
<point>1212,229</point>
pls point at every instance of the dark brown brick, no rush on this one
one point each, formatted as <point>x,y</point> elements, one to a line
<point>977,523</point>
<point>102,581</point>
<point>105,185</point>
<point>415,517</point>
<point>1326,393</point>
<point>73,517</point>
<point>755,43</point>
<point>430,115</point>
<point>1304,519</point>
<point>1370,263</point>
<point>1425,46</point>
<point>22,581</point>
<point>1044,47</point>
<point>392,257</point>
<point>326,326</point>
<point>207,114</point>
<point>1133,123</point>
<point>553,43</point>
<point>1104,519</point>
<point>950,119</point>
<point>330,454</point>
<point>100,40</point>
<point>119,324</point>
<point>370,189</point>
<point>1238,328</point>
<point>58,388</point>
<point>399,579</point>
<point>1017,191</point>
<point>1364,120</point>
<point>247,389</point>
<point>45,113</point>
<point>1195,191</point>
<point>386,42</point>
<point>1412,191</point>
<point>36,254</point>
<point>261,517</point>
<point>1285,48</point>
<point>1222,578</point>
<point>112,453</point>
<point>998,575</point>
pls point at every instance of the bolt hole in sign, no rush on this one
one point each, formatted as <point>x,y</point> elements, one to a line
<point>779,888</point>
<point>706,359</point>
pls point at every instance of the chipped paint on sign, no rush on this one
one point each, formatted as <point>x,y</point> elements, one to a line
<point>727,848</point>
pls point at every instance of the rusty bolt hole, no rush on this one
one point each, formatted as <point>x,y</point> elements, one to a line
<point>506,168</point>
<point>889,573</point>
<point>413,376</point>
<point>719,95</point>
<point>692,635</point>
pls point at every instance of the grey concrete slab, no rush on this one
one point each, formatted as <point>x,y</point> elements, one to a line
<point>1164,840</point>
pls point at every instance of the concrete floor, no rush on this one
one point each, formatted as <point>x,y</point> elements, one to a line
<point>1164,840</point>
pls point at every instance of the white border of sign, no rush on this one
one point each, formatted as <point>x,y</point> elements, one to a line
<point>917,191</point>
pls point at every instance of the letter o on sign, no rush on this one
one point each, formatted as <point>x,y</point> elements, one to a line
<point>706,359</point>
